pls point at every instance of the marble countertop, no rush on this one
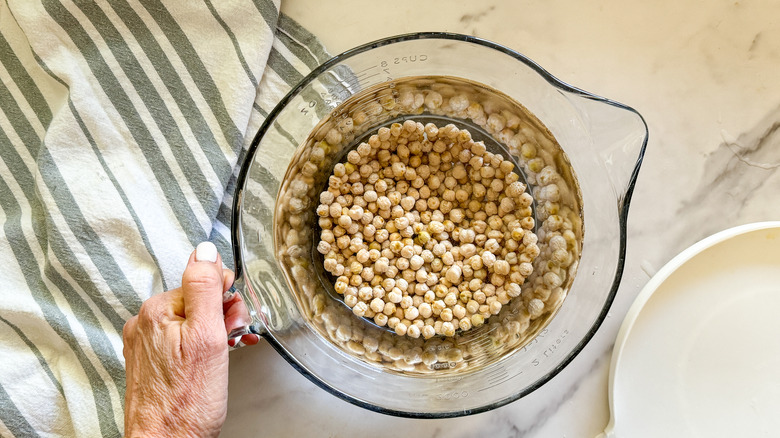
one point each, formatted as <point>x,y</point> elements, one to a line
<point>703,75</point>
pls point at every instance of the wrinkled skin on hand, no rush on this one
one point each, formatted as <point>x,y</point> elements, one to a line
<point>176,356</point>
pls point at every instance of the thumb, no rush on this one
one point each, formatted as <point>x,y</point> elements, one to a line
<point>201,285</point>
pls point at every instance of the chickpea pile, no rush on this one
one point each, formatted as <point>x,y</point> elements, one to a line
<point>426,232</point>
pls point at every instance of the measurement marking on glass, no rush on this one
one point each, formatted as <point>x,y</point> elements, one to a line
<point>496,372</point>
<point>482,342</point>
<point>363,73</point>
<point>498,378</point>
<point>501,382</point>
<point>352,82</point>
<point>368,77</point>
<point>366,69</point>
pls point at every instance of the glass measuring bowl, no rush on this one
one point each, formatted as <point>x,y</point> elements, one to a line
<point>597,150</point>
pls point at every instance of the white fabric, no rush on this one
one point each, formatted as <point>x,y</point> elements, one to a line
<point>122,127</point>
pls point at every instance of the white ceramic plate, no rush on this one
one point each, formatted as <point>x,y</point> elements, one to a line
<point>698,354</point>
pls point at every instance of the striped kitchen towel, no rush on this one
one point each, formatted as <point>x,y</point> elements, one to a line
<point>122,127</point>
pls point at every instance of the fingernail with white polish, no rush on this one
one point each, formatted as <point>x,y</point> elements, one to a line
<point>206,252</point>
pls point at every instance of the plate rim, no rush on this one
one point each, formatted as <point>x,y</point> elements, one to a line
<point>654,284</point>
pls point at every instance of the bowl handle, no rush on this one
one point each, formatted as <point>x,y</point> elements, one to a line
<point>242,316</point>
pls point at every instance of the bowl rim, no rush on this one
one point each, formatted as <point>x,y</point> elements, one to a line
<point>623,207</point>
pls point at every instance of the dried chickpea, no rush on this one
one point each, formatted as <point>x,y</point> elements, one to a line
<point>424,223</point>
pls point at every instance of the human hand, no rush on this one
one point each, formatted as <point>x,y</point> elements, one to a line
<point>176,354</point>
